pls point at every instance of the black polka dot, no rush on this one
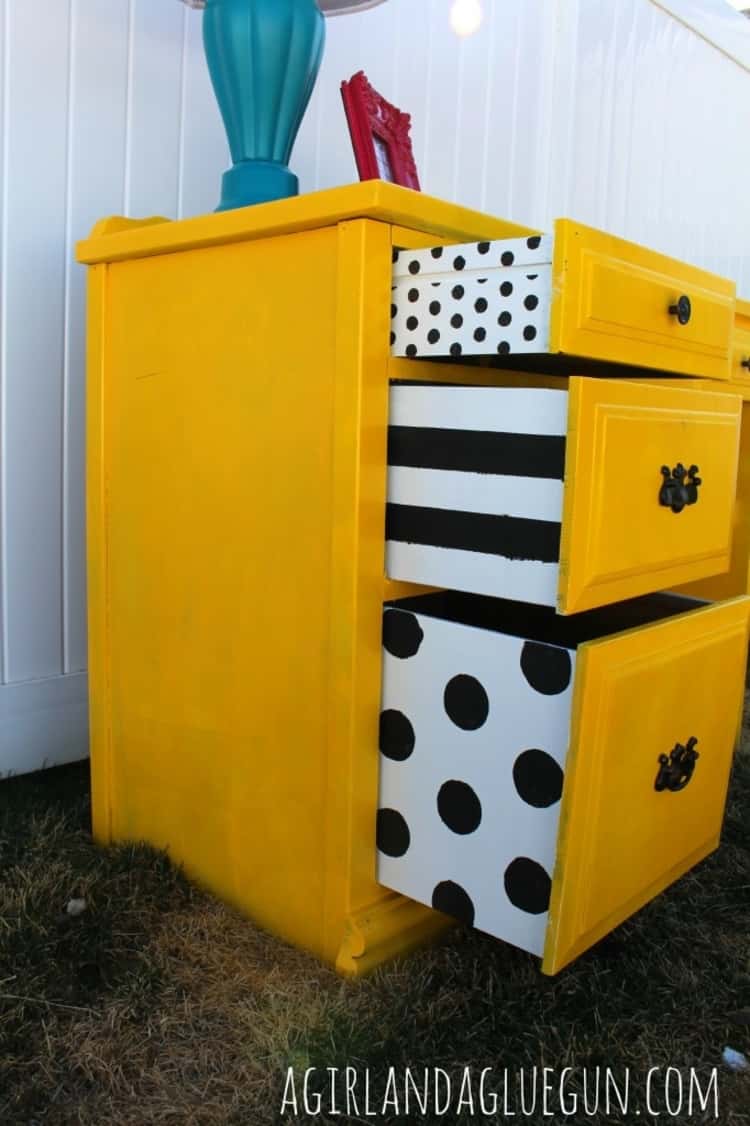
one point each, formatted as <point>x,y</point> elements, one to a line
<point>480,334</point>
<point>531,301</point>
<point>451,899</point>
<point>508,258</point>
<point>435,308</point>
<point>504,319</point>
<point>393,338</point>
<point>466,702</point>
<point>529,332</point>
<point>506,289</point>
<point>412,323</point>
<point>394,310</point>
<point>456,349</point>
<point>433,336</point>
<point>411,351</point>
<point>457,292</point>
<point>437,252</point>
<point>392,834</point>
<point>459,807</point>
<point>413,295</point>
<point>414,266</point>
<point>533,243</point>
<point>538,778</point>
<point>394,255</point>
<point>481,304</point>
<point>528,886</point>
<point>457,320</point>
<point>402,633</point>
<point>546,668</point>
<point>483,247</point>
<point>459,262</point>
<point>503,347</point>
<point>397,739</point>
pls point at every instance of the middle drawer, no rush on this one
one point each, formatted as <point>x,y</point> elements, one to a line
<point>580,496</point>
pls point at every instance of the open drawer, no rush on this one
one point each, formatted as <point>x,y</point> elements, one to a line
<point>576,293</point>
<point>577,497</point>
<point>542,777</point>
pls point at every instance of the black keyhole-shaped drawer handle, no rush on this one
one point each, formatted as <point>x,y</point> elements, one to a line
<point>682,309</point>
<point>679,486</point>
<point>677,768</point>
<point>745,363</point>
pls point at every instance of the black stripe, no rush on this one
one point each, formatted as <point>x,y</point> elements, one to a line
<point>478,451</point>
<point>510,536</point>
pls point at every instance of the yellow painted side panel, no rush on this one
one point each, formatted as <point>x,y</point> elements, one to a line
<point>97,436</point>
<point>220,390</point>
<point>636,695</point>
<point>612,303</point>
<point>617,540</point>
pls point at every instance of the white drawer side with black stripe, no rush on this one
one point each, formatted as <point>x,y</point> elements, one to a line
<point>573,497</point>
<point>475,488</point>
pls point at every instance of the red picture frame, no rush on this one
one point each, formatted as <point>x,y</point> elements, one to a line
<point>381,134</point>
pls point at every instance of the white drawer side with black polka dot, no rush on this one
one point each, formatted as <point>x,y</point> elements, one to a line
<point>527,785</point>
<point>487,297</point>
<point>569,497</point>
<point>559,302</point>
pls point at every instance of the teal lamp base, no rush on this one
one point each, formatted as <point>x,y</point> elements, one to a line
<point>256,181</point>
<point>263,57</point>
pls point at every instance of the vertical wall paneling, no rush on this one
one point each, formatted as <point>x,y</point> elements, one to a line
<point>617,112</point>
<point>99,70</point>
<point>38,45</point>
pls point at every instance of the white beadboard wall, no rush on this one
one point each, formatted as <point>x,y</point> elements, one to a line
<point>627,114</point>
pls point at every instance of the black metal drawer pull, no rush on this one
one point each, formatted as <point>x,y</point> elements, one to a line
<point>745,363</point>
<point>677,768</point>
<point>682,309</point>
<point>679,487</point>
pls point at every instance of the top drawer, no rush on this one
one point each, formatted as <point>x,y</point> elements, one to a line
<point>576,293</point>
<point>741,345</point>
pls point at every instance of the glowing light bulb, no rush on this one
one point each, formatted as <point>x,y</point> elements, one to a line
<point>466,17</point>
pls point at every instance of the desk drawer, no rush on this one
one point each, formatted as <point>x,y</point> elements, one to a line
<point>575,293</point>
<point>538,775</point>
<point>560,497</point>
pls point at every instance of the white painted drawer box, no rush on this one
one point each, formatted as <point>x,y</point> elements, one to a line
<point>543,777</point>
<point>537,302</point>
<point>557,497</point>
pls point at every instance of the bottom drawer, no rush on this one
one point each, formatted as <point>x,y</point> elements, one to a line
<point>543,777</point>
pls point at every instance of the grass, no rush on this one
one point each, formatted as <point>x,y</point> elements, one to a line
<point>159,1005</point>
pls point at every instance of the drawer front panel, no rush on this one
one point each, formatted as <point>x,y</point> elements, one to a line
<point>476,500</point>
<point>741,345</point>
<point>620,538</point>
<point>615,299</point>
<point>632,823</point>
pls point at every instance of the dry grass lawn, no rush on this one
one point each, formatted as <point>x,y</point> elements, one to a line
<point>159,1005</point>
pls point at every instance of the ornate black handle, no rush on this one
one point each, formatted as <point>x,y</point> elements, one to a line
<point>677,768</point>
<point>679,487</point>
<point>682,309</point>
<point>745,363</point>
